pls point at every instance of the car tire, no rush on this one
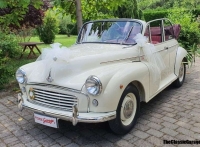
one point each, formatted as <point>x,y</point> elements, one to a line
<point>127,111</point>
<point>181,76</point>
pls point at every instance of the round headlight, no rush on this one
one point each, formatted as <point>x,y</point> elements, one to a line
<point>93,85</point>
<point>21,76</point>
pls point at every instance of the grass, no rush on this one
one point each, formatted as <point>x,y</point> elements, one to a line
<point>63,39</point>
<point>15,63</point>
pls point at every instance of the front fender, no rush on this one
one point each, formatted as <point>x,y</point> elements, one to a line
<point>109,99</point>
<point>180,55</point>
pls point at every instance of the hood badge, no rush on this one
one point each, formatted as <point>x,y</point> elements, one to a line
<point>49,78</point>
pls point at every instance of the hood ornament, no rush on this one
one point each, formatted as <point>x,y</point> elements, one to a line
<point>49,78</point>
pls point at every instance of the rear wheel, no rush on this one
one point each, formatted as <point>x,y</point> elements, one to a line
<point>127,111</point>
<point>181,77</point>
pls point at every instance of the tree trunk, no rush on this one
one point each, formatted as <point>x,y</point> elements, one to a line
<point>78,14</point>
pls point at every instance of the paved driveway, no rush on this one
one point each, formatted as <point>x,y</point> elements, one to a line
<point>173,114</point>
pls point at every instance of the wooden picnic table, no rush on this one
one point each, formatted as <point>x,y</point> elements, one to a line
<point>31,46</point>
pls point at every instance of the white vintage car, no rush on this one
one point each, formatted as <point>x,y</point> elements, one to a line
<point>114,65</point>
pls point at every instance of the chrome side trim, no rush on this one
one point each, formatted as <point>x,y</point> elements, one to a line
<point>132,58</point>
<point>173,45</point>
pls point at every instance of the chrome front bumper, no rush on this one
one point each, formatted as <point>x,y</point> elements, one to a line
<point>73,117</point>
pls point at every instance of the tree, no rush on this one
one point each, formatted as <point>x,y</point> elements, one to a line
<point>129,9</point>
<point>19,13</point>
<point>88,9</point>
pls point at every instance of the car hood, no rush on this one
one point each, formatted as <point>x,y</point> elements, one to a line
<point>71,68</point>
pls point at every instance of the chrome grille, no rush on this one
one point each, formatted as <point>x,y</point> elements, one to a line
<point>54,99</point>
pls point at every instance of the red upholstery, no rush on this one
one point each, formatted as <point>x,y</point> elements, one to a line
<point>156,39</point>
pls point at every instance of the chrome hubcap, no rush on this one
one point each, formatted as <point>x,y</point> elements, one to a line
<point>128,109</point>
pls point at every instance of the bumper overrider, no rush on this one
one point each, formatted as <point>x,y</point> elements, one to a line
<point>74,116</point>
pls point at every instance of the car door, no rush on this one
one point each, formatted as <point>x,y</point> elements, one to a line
<point>155,34</point>
<point>171,44</point>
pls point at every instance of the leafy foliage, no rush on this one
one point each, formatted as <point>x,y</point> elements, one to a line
<point>9,46</point>
<point>49,28</point>
<point>189,26</point>
<point>16,13</point>
<point>151,14</point>
<point>129,9</point>
<point>189,36</point>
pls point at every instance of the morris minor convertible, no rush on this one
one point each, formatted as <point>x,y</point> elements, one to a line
<point>114,65</point>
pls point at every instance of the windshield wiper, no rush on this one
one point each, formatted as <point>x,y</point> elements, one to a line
<point>126,38</point>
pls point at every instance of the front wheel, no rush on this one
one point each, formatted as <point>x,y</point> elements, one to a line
<point>127,111</point>
<point>181,77</point>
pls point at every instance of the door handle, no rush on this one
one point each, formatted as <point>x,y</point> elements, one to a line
<point>166,48</point>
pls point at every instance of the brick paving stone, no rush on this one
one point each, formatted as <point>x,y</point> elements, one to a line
<point>185,131</point>
<point>72,145</point>
<point>142,127</point>
<point>112,138</point>
<point>19,145</point>
<point>169,119</point>
<point>127,137</point>
<point>32,143</point>
<point>143,143</point>
<point>143,121</point>
<point>2,144</point>
<point>195,129</point>
<point>183,124</point>
<point>10,139</point>
<point>56,136</point>
<point>184,137</point>
<point>197,125</point>
<point>140,134</point>
<point>47,142</point>
<point>56,145</point>
<point>123,143</point>
<point>63,141</point>
<point>155,141</point>
<point>154,126</point>
<point>133,140</point>
<point>156,120</point>
<point>105,144</point>
<point>169,131</point>
<point>170,125</point>
<point>26,138</point>
<point>155,133</point>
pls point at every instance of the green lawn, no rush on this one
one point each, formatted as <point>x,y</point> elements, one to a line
<point>15,63</point>
<point>63,39</point>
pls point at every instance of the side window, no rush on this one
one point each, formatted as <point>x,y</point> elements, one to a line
<point>168,29</point>
<point>156,31</point>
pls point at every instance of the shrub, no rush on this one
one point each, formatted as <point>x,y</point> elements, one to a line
<point>48,30</point>
<point>189,36</point>
<point>9,45</point>
<point>64,23</point>
<point>189,26</point>
<point>151,14</point>
<point>6,72</point>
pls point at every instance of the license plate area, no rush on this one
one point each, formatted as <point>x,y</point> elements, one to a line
<point>46,120</point>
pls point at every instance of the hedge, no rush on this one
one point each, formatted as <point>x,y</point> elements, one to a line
<point>152,14</point>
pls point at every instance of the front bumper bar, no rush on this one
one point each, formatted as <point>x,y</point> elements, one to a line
<point>74,117</point>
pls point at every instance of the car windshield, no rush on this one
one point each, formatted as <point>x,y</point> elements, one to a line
<point>116,32</point>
